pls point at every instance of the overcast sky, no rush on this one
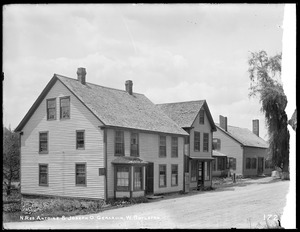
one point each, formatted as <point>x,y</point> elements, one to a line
<point>172,53</point>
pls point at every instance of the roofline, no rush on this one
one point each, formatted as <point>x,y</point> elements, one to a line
<point>179,102</point>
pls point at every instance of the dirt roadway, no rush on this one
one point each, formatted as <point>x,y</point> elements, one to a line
<point>231,207</point>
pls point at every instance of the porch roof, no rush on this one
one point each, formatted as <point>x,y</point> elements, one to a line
<point>201,158</point>
<point>217,153</point>
<point>129,160</point>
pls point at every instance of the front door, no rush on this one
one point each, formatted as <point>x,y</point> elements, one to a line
<point>200,174</point>
<point>260,166</point>
<point>149,178</point>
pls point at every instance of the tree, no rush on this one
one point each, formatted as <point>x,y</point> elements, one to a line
<point>265,74</point>
<point>11,158</point>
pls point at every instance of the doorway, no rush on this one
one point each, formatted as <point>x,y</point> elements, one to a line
<point>260,166</point>
<point>149,178</point>
<point>200,174</point>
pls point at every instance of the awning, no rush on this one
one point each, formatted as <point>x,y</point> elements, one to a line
<point>201,158</point>
<point>129,160</point>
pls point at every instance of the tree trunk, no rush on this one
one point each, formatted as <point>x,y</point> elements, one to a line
<point>285,172</point>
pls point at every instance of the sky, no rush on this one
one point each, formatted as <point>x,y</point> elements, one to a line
<point>171,52</point>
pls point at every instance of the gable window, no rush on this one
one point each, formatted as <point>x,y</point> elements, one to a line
<point>51,109</point>
<point>79,139</point>
<point>43,174</point>
<point>138,178</point>
<point>119,143</point>
<point>205,142</point>
<point>248,163</point>
<point>43,142</point>
<point>80,172</point>
<point>122,174</point>
<point>196,141</point>
<point>201,117</point>
<point>65,107</point>
<point>162,175</point>
<point>253,163</point>
<point>193,170</point>
<point>174,177</point>
<point>134,144</point>
<point>217,144</point>
<point>162,146</point>
<point>174,147</point>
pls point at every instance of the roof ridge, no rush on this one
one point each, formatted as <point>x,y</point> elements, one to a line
<point>181,102</point>
<point>96,84</point>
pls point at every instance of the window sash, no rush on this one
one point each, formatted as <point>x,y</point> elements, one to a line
<point>43,174</point>
<point>205,142</point>
<point>79,139</point>
<point>162,146</point>
<point>134,145</point>
<point>138,178</point>
<point>174,152</point>
<point>43,142</point>
<point>122,178</point>
<point>174,177</point>
<point>80,172</point>
<point>196,141</point>
<point>201,117</point>
<point>51,109</point>
<point>65,108</point>
<point>119,143</point>
<point>162,176</point>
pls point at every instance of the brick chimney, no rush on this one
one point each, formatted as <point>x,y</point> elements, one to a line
<point>255,126</point>
<point>223,122</point>
<point>128,86</point>
<point>81,73</point>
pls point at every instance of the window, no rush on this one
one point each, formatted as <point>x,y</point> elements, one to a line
<point>122,174</point>
<point>51,109</point>
<point>248,163</point>
<point>253,163</point>
<point>214,165</point>
<point>43,143</point>
<point>138,178</point>
<point>201,116</point>
<point>79,139</point>
<point>134,144</point>
<point>221,162</point>
<point>162,176</point>
<point>119,143</point>
<point>162,146</point>
<point>207,173</point>
<point>217,144</point>
<point>43,174</point>
<point>174,177</point>
<point>80,171</point>
<point>193,170</point>
<point>232,163</point>
<point>174,147</point>
<point>205,142</point>
<point>196,141</point>
<point>65,107</point>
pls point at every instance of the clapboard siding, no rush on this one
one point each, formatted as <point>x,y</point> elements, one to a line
<point>148,151</point>
<point>231,148</point>
<point>62,154</point>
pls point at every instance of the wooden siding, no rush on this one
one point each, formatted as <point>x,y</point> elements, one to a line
<point>148,151</point>
<point>62,155</point>
<point>231,148</point>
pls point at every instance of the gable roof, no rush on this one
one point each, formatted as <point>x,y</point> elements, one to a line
<point>185,113</point>
<point>113,107</point>
<point>244,136</point>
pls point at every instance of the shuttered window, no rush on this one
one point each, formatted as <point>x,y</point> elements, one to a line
<point>43,174</point>
<point>80,170</point>
<point>65,107</point>
<point>196,141</point>
<point>119,143</point>
<point>51,109</point>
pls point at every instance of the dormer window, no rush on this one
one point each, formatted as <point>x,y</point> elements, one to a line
<point>65,108</point>
<point>201,116</point>
<point>51,109</point>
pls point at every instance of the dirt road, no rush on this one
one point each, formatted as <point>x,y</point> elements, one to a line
<point>244,206</point>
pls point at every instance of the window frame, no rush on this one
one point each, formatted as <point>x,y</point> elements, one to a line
<point>160,146</point>
<point>197,142</point>
<point>165,175</point>
<point>137,144</point>
<point>201,116</point>
<point>174,147</point>
<point>176,174</point>
<point>141,178</point>
<point>85,175</point>
<point>47,108</point>
<point>47,175</point>
<point>80,131</point>
<point>253,164</point>
<point>205,142</point>
<point>60,108</point>
<point>122,188</point>
<point>217,144</point>
<point>47,151</point>
<point>232,163</point>
<point>248,163</point>
<point>122,143</point>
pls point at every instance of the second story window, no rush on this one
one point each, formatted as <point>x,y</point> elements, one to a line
<point>79,139</point>
<point>205,142</point>
<point>201,117</point>
<point>174,147</point>
<point>43,142</point>
<point>51,109</point>
<point>196,141</point>
<point>134,144</point>
<point>65,107</point>
<point>162,146</point>
<point>119,143</point>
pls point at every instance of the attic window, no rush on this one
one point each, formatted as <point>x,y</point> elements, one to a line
<point>51,109</point>
<point>65,107</point>
<point>201,117</point>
